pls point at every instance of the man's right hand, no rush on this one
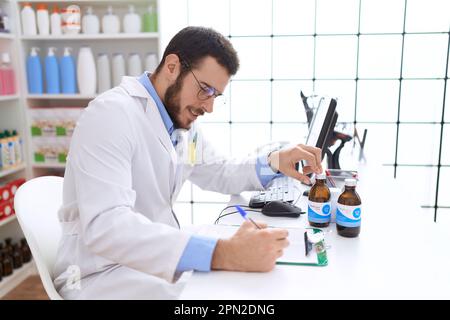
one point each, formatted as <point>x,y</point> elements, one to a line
<point>250,249</point>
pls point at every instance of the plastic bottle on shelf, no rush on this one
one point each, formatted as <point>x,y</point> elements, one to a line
<point>134,65</point>
<point>110,22</point>
<point>86,72</point>
<point>150,20</point>
<point>10,147</point>
<point>71,19</point>
<point>18,147</point>
<point>52,72</point>
<point>104,72</point>
<point>132,21</point>
<point>55,22</point>
<point>43,20</point>
<point>68,75</point>
<point>34,72</point>
<point>7,76</point>
<point>118,69</point>
<point>4,152</point>
<point>4,22</point>
<point>151,62</point>
<point>90,23</point>
<point>28,20</point>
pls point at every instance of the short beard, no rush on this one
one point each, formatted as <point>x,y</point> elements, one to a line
<point>172,101</point>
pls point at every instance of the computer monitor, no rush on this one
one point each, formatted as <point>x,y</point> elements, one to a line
<point>322,124</point>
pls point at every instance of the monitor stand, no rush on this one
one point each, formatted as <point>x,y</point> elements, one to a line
<point>333,157</point>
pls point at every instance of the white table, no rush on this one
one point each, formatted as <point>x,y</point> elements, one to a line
<point>398,255</point>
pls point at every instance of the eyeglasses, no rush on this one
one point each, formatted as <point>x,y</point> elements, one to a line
<point>205,91</point>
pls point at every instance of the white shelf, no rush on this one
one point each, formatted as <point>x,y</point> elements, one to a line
<point>7,220</point>
<point>8,36</point>
<point>101,36</point>
<point>9,97</point>
<point>4,173</point>
<point>83,1</point>
<point>60,97</point>
<point>10,282</point>
<point>49,165</point>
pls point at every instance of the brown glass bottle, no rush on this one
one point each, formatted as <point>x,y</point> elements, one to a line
<point>26,252</point>
<point>348,213</point>
<point>7,264</point>
<point>1,266</point>
<point>17,257</point>
<point>8,246</point>
<point>319,208</point>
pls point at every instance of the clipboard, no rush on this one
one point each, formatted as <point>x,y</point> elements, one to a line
<point>317,256</point>
<point>294,254</point>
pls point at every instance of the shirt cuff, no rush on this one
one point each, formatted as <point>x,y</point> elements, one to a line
<point>198,254</point>
<point>264,170</point>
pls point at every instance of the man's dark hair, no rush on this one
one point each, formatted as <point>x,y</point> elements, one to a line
<point>192,44</point>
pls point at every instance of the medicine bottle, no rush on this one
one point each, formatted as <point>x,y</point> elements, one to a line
<point>319,206</point>
<point>348,212</point>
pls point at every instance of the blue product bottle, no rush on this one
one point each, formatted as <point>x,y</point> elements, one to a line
<point>34,73</point>
<point>52,72</point>
<point>68,74</point>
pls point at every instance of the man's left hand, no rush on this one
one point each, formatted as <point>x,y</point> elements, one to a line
<point>285,160</point>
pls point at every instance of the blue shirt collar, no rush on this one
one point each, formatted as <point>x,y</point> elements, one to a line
<point>168,123</point>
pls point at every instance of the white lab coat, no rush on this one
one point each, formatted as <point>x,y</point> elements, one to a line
<point>121,239</point>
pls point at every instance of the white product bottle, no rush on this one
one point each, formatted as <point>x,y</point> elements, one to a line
<point>28,20</point>
<point>118,68</point>
<point>134,65</point>
<point>151,62</point>
<point>90,23</point>
<point>104,72</point>
<point>86,72</point>
<point>55,22</point>
<point>132,21</point>
<point>43,20</point>
<point>110,22</point>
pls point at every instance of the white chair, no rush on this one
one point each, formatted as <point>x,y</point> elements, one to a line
<point>36,204</point>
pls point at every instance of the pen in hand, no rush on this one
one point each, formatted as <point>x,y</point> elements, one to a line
<point>244,215</point>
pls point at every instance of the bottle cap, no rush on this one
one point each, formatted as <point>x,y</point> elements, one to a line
<point>67,51</point>
<point>34,51</point>
<point>41,6</point>
<point>51,51</point>
<point>350,182</point>
<point>55,9</point>
<point>320,176</point>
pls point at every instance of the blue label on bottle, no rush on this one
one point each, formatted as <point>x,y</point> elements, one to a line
<point>319,212</point>
<point>348,216</point>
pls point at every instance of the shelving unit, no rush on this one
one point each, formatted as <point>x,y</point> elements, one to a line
<point>16,169</point>
<point>94,37</point>
<point>12,116</point>
<point>15,110</point>
<point>10,282</point>
<point>9,98</point>
<point>60,97</point>
<point>7,220</point>
<point>124,43</point>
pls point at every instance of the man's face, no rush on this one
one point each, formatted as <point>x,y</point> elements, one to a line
<point>182,99</point>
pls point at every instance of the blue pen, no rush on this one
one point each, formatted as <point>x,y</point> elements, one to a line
<point>244,215</point>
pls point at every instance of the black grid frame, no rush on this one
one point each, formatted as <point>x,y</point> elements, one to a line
<point>395,164</point>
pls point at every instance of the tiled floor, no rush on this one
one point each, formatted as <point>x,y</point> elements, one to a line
<point>30,289</point>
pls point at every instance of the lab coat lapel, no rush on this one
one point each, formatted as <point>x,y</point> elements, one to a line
<point>136,89</point>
